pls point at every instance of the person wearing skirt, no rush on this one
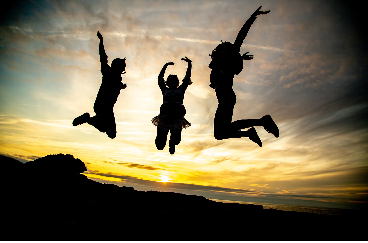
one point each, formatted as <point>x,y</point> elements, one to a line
<point>172,111</point>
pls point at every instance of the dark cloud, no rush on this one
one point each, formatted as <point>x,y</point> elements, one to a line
<point>339,178</point>
<point>21,158</point>
<point>138,166</point>
<point>13,11</point>
<point>152,185</point>
<point>327,66</point>
<point>220,159</point>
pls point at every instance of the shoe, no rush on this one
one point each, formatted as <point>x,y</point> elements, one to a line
<point>81,119</point>
<point>270,126</point>
<point>254,136</point>
<point>111,135</point>
<point>171,148</point>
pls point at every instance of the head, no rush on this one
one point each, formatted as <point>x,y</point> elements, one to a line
<point>119,65</point>
<point>172,81</point>
<point>224,48</point>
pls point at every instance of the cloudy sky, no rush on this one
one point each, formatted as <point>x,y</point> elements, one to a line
<point>309,73</point>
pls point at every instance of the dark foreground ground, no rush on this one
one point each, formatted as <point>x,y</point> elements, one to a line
<point>48,199</point>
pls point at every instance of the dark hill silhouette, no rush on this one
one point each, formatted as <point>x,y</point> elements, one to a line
<point>42,204</point>
<point>60,164</point>
<point>10,164</point>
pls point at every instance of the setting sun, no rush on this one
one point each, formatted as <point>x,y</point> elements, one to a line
<point>164,178</point>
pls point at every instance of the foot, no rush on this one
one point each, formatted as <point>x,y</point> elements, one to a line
<point>111,135</point>
<point>270,126</point>
<point>254,136</point>
<point>81,119</point>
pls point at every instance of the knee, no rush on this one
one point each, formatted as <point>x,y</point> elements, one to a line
<point>175,141</point>
<point>219,134</point>
<point>218,137</point>
<point>175,137</point>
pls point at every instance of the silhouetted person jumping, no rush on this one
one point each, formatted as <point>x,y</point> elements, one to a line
<point>226,62</point>
<point>172,111</point>
<point>104,120</point>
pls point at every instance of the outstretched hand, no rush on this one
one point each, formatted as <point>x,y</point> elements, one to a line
<point>258,12</point>
<point>99,35</point>
<point>245,56</point>
<point>186,59</point>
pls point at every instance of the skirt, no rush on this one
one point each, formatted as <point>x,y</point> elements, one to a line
<point>171,117</point>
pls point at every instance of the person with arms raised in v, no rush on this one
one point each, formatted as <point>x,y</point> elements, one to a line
<point>104,120</point>
<point>172,111</point>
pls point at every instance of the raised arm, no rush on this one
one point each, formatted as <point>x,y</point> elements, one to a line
<point>244,30</point>
<point>186,80</point>
<point>103,56</point>
<point>161,80</point>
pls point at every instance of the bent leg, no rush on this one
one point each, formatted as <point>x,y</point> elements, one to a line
<point>245,123</point>
<point>104,122</point>
<point>175,136</point>
<point>266,121</point>
<point>161,138</point>
<point>97,122</point>
<point>110,126</point>
<point>250,133</point>
<point>224,113</point>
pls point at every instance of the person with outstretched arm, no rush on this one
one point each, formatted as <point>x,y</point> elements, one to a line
<point>104,120</point>
<point>227,62</point>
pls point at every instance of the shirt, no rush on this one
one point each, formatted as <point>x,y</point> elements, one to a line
<point>173,95</point>
<point>111,83</point>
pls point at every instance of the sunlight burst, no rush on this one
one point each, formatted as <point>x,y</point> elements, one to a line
<point>164,178</point>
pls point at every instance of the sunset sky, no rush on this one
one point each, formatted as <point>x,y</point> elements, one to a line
<point>309,73</point>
